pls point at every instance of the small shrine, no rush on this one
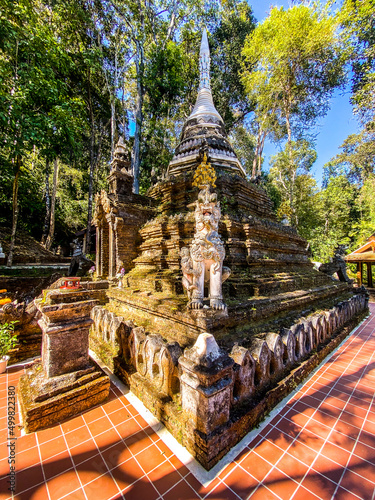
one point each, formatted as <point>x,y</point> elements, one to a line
<point>219,312</point>
<point>364,255</point>
<point>118,217</point>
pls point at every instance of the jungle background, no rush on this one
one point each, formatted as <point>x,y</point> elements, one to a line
<point>77,74</point>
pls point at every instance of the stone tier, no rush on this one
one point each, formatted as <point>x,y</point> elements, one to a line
<point>236,385</point>
<point>250,241</point>
<point>166,314</point>
<point>236,195</point>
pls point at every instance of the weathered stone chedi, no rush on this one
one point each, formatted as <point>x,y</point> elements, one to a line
<point>210,362</point>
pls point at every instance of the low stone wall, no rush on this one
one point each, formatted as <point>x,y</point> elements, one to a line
<point>208,397</point>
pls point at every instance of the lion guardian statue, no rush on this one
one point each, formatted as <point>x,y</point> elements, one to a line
<point>203,262</point>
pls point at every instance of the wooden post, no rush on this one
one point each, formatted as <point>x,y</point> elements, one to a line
<point>360,274</point>
<point>369,275</point>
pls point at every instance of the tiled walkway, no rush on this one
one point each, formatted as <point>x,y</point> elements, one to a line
<point>320,445</point>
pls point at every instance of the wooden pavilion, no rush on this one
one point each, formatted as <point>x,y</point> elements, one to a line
<point>364,255</point>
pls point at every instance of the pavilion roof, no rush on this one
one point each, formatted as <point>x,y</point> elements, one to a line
<point>365,253</point>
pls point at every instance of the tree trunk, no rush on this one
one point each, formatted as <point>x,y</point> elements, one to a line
<point>256,153</point>
<point>113,127</point>
<point>260,153</point>
<point>138,115</point>
<point>15,211</point>
<point>48,207</point>
<point>51,232</point>
<point>91,174</point>
<point>291,166</point>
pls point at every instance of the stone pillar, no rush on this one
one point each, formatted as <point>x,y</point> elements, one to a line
<point>206,384</point>
<point>111,250</point>
<point>104,256</point>
<point>67,382</point>
<point>65,344</point>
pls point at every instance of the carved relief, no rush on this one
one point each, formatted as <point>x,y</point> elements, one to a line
<point>289,347</point>
<point>243,374</point>
<point>276,347</point>
<point>299,335</point>
<point>262,355</point>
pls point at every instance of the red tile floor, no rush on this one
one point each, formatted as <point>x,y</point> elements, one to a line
<point>320,445</point>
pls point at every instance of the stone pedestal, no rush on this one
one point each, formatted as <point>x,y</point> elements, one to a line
<point>65,342</point>
<point>206,384</point>
<point>66,382</point>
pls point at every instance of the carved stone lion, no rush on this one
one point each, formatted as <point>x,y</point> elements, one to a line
<point>203,263</point>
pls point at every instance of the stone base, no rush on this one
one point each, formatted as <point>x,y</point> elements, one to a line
<point>170,317</point>
<point>208,449</point>
<point>47,401</point>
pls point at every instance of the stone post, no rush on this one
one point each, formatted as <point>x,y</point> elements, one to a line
<point>67,381</point>
<point>206,384</point>
<point>65,344</point>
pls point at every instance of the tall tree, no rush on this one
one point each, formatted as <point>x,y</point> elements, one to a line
<point>287,169</point>
<point>358,20</point>
<point>292,65</point>
<point>356,159</point>
<point>336,213</point>
<point>147,26</point>
<point>35,99</point>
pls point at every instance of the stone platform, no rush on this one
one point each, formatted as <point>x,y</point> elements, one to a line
<point>260,369</point>
<point>46,401</point>
<point>166,314</point>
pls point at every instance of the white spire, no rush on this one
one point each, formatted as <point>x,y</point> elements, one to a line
<point>204,63</point>
<point>204,104</point>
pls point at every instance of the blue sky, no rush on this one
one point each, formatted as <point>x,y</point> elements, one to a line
<point>334,127</point>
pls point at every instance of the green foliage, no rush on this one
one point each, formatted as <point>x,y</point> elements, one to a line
<point>292,64</point>
<point>243,142</point>
<point>51,104</point>
<point>289,173</point>
<point>365,204</point>
<point>7,337</point>
<point>336,212</point>
<point>357,158</point>
<point>357,18</point>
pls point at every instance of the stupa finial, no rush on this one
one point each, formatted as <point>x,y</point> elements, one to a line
<point>204,63</point>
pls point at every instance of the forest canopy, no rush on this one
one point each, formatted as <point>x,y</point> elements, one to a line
<point>77,74</point>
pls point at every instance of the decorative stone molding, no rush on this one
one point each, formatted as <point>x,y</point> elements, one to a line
<point>243,374</point>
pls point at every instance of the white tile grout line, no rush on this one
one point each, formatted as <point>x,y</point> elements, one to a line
<point>202,475</point>
<point>41,463</point>
<point>356,441</point>
<point>93,439</point>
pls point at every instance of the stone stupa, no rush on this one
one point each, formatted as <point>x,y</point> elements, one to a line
<point>209,361</point>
